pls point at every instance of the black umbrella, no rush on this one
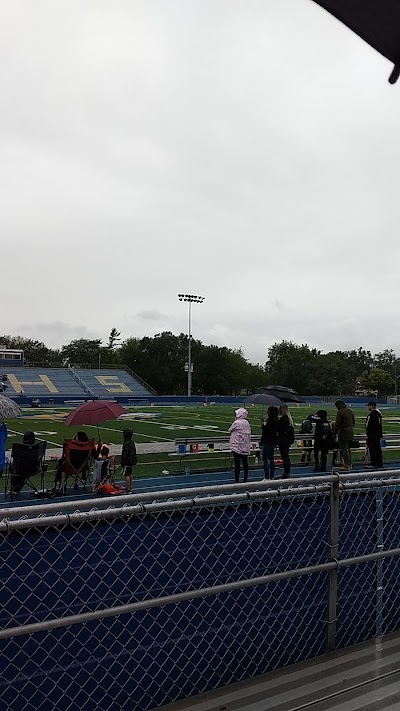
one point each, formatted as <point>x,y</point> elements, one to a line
<point>263,399</point>
<point>282,393</point>
<point>376,21</point>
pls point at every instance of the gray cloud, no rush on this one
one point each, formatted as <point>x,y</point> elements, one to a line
<point>152,315</point>
<point>244,151</point>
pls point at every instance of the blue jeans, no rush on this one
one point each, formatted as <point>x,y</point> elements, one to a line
<point>268,460</point>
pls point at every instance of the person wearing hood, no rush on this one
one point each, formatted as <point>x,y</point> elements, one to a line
<point>128,458</point>
<point>344,428</point>
<point>268,441</point>
<point>322,438</point>
<point>240,442</point>
<point>374,432</point>
<point>3,437</point>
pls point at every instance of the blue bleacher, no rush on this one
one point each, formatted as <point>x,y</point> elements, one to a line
<point>105,384</point>
<point>43,382</point>
<point>108,384</point>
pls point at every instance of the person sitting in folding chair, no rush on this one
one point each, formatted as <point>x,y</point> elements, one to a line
<point>75,461</point>
<point>27,460</point>
<point>101,469</point>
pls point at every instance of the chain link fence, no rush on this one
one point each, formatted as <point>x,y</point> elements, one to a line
<point>142,601</point>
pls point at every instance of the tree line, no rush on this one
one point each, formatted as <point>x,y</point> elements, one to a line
<point>160,361</point>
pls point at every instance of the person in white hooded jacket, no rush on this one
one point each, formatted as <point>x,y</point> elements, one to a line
<point>240,442</point>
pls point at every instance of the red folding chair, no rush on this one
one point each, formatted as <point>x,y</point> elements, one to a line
<point>75,462</point>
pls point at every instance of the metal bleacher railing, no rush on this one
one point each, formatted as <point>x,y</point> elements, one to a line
<point>137,602</point>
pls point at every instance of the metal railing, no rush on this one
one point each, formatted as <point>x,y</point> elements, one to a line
<point>268,572</point>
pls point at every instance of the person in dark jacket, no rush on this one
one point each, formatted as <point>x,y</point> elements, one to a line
<point>322,438</point>
<point>344,428</point>
<point>285,437</point>
<point>128,458</point>
<point>374,432</point>
<point>269,440</point>
<point>306,427</point>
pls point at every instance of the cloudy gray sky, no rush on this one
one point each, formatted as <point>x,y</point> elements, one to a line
<point>244,150</point>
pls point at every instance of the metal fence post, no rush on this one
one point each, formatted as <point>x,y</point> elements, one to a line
<point>379,498</point>
<point>333,574</point>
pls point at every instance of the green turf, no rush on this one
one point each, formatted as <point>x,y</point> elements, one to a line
<point>173,423</point>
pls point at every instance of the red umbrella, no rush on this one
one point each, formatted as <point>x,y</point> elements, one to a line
<point>91,413</point>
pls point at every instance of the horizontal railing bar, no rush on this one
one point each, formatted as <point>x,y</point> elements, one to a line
<point>76,517</point>
<point>190,492</point>
<point>15,512</point>
<point>131,608</point>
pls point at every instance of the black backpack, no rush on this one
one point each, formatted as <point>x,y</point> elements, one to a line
<point>306,427</point>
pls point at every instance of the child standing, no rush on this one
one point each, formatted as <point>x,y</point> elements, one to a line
<point>128,458</point>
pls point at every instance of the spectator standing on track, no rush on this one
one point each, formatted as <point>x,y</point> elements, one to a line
<point>306,428</point>
<point>128,458</point>
<point>285,437</point>
<point>374,432</point>
<point>269,440</point>
<point>322,440</point>
<point>240,442</point>
<point>344,428</point>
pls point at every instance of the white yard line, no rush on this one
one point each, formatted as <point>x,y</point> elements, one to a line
<point>140,434</point>
<point>56,444</point>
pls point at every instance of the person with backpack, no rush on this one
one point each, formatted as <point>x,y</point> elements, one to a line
<point>128,458</point>
<point>323,440</point>
<point>374,432</point>
<point>285,437</point>
<point>268,441</point>
<point>306,427</point>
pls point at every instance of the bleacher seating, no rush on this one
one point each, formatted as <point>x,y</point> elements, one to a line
<point>73,383</point>
<point>107,384</point>
<point>43,382</point>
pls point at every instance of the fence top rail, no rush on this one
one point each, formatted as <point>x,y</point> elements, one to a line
<point>256,438</point>
<point>251,490</point>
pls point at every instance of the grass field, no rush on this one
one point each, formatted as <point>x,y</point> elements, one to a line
<point>160,425</point>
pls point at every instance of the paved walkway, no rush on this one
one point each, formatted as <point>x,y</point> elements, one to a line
<point>365,677</point>
<point>115,449</point>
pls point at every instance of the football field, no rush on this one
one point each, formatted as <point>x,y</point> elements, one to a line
<point>163,425</point>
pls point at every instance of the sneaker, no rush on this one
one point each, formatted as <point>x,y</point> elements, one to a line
<point>345,468</point>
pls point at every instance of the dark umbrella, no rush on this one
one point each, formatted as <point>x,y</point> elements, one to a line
<point>282,393</point>
<point>376,21</point>
<point>263,399</point>
<point>91,413</point>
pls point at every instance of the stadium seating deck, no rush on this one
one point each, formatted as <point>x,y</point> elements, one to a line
<point>72,383</point>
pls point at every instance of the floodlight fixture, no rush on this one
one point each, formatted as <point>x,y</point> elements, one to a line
<point>191,299</point>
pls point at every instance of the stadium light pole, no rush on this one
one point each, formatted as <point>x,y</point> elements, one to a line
<point>191,299</point>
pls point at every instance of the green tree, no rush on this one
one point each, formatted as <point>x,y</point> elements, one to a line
<point>291,365</point>
<point>81,351</point>
<point>114,338</point>
<point>377,379</point>
<point>34,351</point>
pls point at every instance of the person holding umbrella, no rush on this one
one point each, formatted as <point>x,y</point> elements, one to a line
<point>269,440</point>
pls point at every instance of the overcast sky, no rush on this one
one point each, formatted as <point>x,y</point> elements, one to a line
<point>244,150</point>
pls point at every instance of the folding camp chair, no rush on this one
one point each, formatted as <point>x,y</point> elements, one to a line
<point>75,462</point>
<point>27,461</point>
